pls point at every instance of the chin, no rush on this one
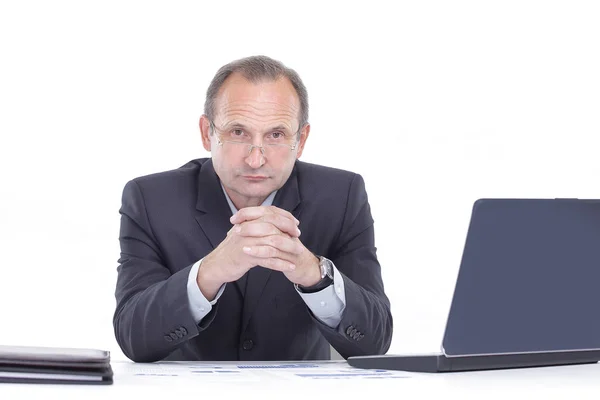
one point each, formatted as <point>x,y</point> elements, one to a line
<point>256,193</point>
<point>255,189</point>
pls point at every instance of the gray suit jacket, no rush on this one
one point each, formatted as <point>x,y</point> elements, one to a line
<point>172,219</point>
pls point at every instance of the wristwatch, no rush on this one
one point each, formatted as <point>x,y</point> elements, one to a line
<point>326,277</point>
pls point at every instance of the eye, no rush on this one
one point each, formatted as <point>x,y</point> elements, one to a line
<point>277,135</point>
<point>237,132</point>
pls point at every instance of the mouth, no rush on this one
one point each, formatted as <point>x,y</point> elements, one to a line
<point>255,178</point>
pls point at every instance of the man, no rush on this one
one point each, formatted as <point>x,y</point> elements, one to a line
<point>250,254</point>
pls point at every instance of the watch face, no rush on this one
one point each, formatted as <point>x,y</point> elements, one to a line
<point>328,268</point>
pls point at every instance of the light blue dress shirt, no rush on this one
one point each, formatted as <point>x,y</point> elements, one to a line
<point>327,305</point>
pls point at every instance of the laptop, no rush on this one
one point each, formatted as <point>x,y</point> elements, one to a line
<point>527,292</point>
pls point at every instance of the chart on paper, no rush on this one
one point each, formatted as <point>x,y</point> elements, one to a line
<point>254,372</point>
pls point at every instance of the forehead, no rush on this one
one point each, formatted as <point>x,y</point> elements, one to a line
<point>266,101</point>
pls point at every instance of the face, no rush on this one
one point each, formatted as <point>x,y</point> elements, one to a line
<point>260,114</point>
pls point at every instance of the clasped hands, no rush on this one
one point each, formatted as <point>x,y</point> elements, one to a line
<point>267,236</point>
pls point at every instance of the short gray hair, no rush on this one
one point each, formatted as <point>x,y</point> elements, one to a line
<point>256,69</point>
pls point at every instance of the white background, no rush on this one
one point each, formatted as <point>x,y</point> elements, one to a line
<point>436,104</point>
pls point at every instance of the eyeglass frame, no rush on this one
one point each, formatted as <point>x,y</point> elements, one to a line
<point>221,141</point>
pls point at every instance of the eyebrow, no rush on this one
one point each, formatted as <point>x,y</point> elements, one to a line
<point>280,128</point>
<point>234,125</point>
<point>238,125</point>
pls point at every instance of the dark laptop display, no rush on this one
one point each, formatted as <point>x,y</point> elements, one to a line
<point>527,292</point>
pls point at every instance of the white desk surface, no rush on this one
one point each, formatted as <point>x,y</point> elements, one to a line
<point>322,380</point>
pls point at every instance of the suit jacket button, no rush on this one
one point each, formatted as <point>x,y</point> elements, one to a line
<point>178,333</point>
<point>248,344</point>
<point>183,331</point>
<point>349,330</point>
<point>168,338</point>
<point>173,335</point>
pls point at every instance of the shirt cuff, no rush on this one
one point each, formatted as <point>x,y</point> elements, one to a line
<point>199,305</point>
<point>328,304</point>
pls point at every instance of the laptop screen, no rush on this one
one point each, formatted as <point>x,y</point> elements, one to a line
<point>529,279</point>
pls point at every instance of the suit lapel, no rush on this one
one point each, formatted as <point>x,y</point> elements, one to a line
<point>287,198</point>
<point>213,211</point>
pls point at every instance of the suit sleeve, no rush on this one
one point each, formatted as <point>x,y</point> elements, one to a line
<point>152,316</point>
<point>366,325</point>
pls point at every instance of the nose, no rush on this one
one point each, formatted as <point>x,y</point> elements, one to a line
<point>255,157</point>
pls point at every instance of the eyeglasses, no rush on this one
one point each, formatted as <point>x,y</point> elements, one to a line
<point>275,143</point>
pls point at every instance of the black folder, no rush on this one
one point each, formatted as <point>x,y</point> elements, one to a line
<point>32,364</point>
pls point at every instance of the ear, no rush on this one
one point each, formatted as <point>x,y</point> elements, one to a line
<point>303,137</point>
<point>205,132</point>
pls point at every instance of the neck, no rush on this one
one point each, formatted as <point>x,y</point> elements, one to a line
<point>242,201</point>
